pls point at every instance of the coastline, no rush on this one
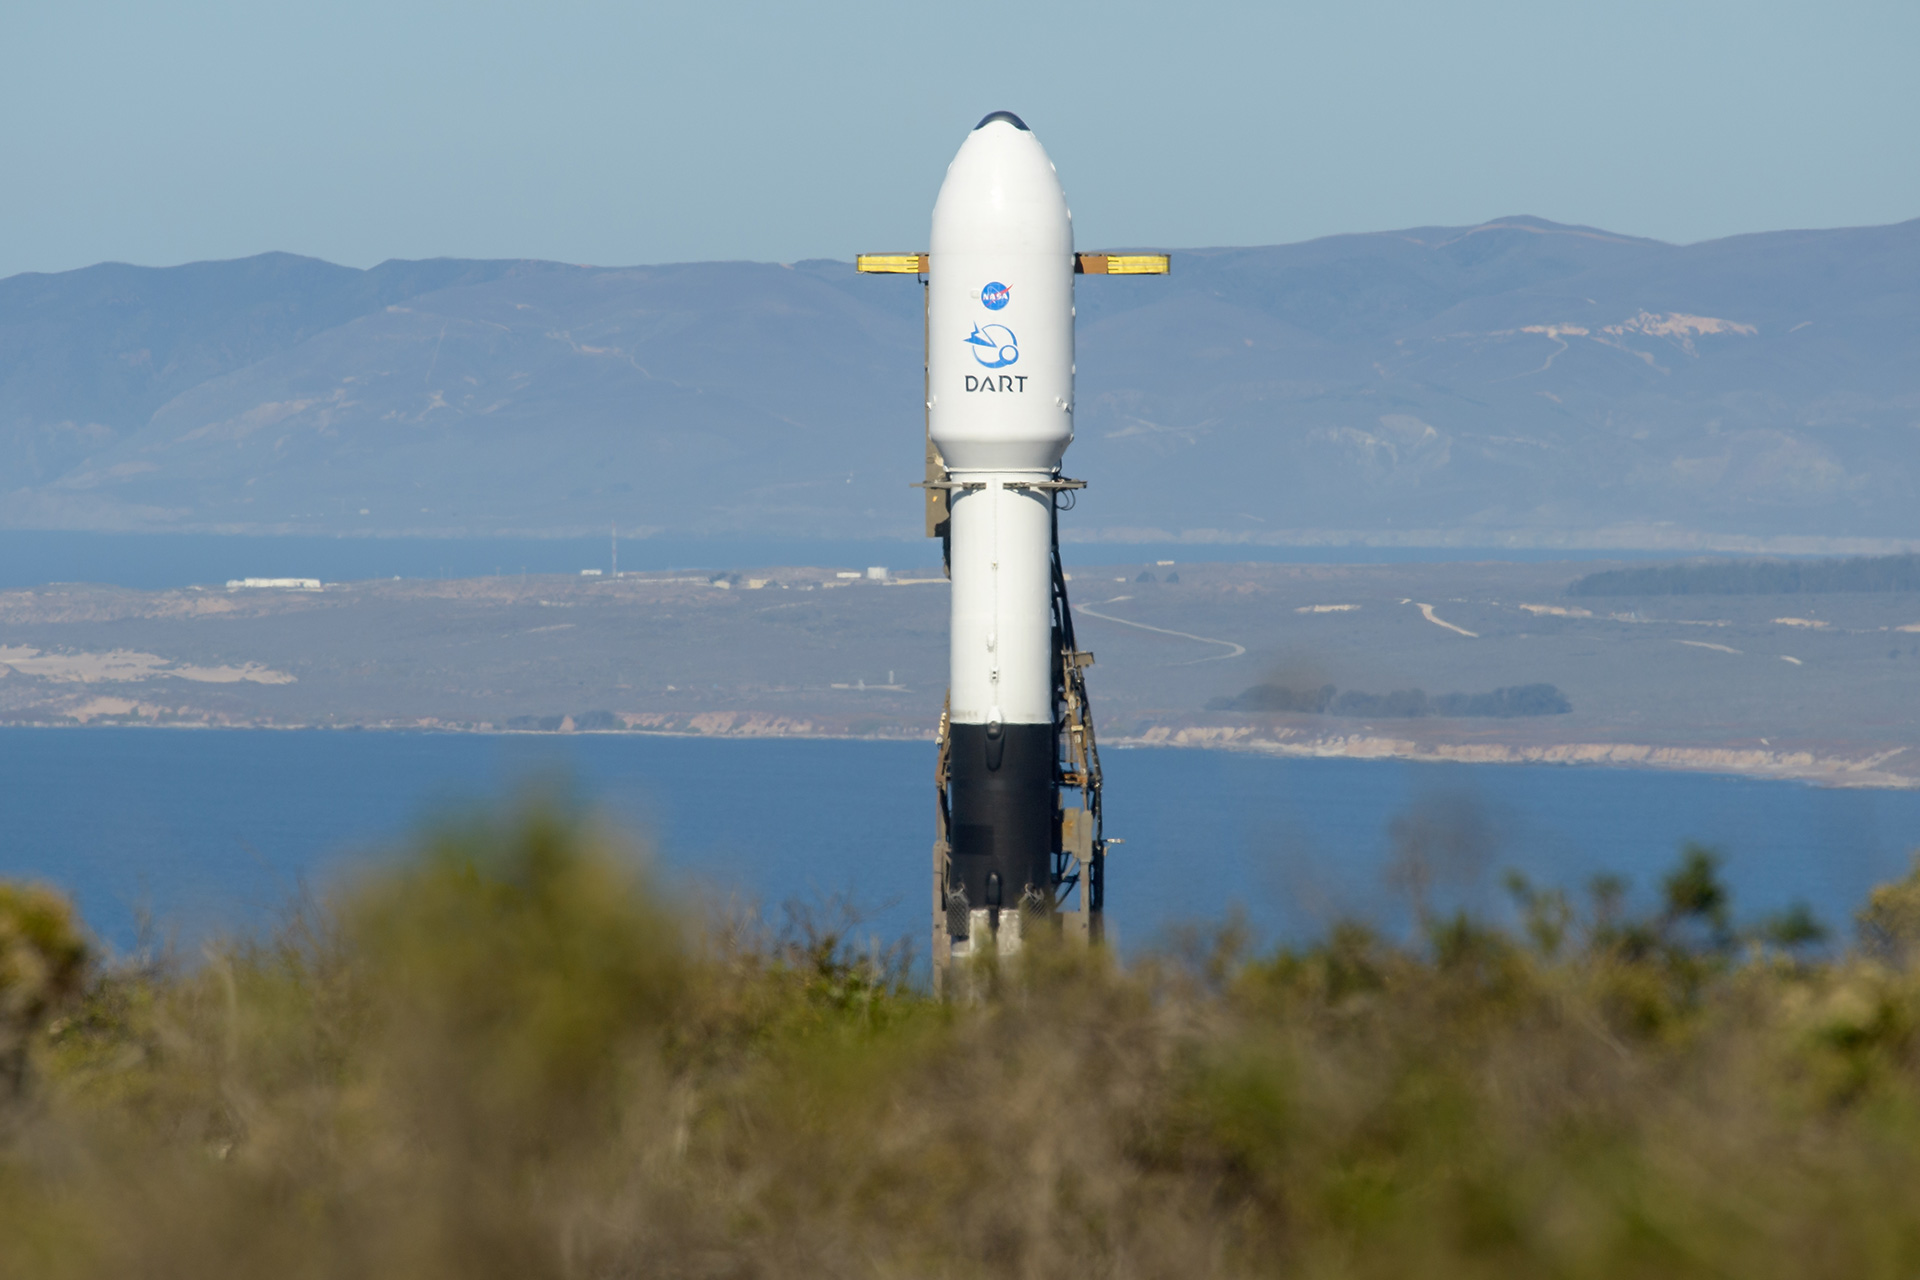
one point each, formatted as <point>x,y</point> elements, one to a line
<point>1784,765</point>
<point>1814,691</point>
<point>1861,770</point>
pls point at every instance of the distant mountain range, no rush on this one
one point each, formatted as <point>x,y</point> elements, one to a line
<point>1515,383</point>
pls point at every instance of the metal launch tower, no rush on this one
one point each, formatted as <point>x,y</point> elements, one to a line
<point>1018,842</point>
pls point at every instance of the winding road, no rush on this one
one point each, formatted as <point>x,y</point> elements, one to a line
<point>1235,650</point>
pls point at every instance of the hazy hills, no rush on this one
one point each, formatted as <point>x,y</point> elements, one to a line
<point>1519,381</point>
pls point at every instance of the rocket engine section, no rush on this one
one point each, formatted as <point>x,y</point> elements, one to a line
<point>1000,369</point>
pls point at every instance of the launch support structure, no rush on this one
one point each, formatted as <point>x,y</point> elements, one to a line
<point>1018,840</point>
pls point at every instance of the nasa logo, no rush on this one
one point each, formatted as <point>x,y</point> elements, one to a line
<point>994,346</point>
<point>994,296</point>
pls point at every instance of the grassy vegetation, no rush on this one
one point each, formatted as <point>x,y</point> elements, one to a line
<point>510,1055</point>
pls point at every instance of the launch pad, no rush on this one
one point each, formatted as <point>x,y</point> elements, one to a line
<point>1019,843</point>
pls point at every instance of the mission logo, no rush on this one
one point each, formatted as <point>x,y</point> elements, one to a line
<point>988,382</point>
<point>994,345</point>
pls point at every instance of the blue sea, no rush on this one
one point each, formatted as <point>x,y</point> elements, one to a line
<point>215,831</point>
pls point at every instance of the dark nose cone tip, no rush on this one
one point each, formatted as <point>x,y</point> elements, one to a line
<point>1008,116</point>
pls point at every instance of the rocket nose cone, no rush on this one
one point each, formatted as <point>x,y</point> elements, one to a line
<point>1001,184</point>
<point>1007,116</point>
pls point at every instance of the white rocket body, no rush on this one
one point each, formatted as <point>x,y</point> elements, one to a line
<point>1000,386</point>
<point>1000,410</point>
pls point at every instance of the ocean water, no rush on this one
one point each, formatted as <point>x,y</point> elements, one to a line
<point>211,831</point>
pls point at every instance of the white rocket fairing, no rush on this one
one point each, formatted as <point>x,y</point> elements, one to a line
<point>1001,306</point>
<point>1000,410</point>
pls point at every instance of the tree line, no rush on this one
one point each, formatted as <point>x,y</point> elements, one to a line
<point>1756,577</point>
<point>1506,703</point>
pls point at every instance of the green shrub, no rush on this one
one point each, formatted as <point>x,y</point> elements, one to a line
<point>509,1053</point>
<point>43,959</point>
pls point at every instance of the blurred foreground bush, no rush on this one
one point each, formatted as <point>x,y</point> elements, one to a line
<point>511,1056</point>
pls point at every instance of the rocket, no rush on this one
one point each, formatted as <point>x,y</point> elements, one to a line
<point>1017,737</point>
<point>1000,411</point>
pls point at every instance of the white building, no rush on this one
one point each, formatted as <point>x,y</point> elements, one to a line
<point>273,584</point>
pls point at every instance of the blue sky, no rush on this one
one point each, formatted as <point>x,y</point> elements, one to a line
<point>624,133</point>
